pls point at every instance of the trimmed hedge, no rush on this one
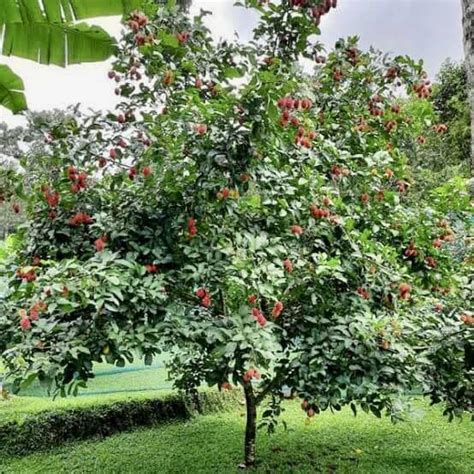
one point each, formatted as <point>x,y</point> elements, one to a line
<point>49,429</point>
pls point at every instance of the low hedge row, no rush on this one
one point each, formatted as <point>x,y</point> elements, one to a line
<point>49,429</point>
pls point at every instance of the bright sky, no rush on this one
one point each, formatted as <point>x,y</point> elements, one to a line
<point>428,29</point>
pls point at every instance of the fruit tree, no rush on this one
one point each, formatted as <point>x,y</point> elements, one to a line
<point>246,209</point>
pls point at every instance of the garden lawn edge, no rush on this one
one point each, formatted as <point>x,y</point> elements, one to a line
<point>53,428</point>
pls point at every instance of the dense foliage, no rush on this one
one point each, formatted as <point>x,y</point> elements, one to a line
<point>252,217</point>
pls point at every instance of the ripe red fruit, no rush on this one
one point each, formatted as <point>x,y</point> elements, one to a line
<point>296,230</point>
<point>168,78</point>
<point>192,229</point>
<point>132,172</point>
<point>396,108</point>
<point>80,218</point>
<point>437,243</point>
<point>404,291</point>
<point>200,128</point>
<point>251,374</point>
<point>111,74</point>
<point>147,171</point>
<point>277,309</point>
<point>100,243</point>
<point>206,301</point>
<point>113,153</point>
<point>182,37</point>
<point>25,324</point>
<point>151,268</point>
<point>198,83</point>
<point>363,293</point>
<point>259,317</point>
<point>411,250</point>
<point>364,198</point>
<point>431,262</point>
<point>467,319</point>
<point>52,198</point>
<point>201,293</point>
<point>223,193</point>
<point>288,265</point>
<point>121,118</point>
<point>34,313</point>
<point>252,299</point>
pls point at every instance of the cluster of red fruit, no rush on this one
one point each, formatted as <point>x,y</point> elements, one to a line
<point>192,227</point>
<point>80,218</point>
<point>390,125</point>
<point>423,89</point>
<point>51,197</point>
<point>288,104</point>
<point>310,411</point>
<point>440,128</point>
<point>251,374</point>
<point>317,11</point>
<point>138,20</point>
<point>322,213</point>
<point>352,55</point>
<point>304,137</point>
<point>448,234</point>
<point>27,275</point>
<point>204,296</point>
<point>337,172</point>
<point>33,315</point>
<point>375,108</point>
<point>79,180</point>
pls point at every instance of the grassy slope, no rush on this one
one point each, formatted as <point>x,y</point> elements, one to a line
<point>110,384</point>
<point>330,443</point>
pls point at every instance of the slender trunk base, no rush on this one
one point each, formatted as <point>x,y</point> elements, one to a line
<point>251,427</point>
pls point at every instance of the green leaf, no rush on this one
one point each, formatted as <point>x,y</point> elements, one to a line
<point>58,44</point>
<point>43,30</point>
<point>11,90</point>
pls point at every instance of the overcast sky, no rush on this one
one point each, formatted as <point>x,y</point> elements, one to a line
<point>427,29</point>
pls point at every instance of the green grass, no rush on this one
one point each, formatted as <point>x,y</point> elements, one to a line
<point>330,443</point>
<point>136,381</point>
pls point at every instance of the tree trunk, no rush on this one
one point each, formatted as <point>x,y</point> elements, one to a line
<point>251,427</point>
<point>468,28</point>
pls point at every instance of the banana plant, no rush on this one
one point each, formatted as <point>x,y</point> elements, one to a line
<point>50,32</point>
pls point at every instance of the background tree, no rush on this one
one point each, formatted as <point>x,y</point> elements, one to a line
<point>468,28</point>
<point>262,232</point>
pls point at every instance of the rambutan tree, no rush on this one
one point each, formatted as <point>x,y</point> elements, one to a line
<point>248,214</point>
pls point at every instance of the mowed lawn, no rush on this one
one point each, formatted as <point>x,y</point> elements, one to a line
<point>110,384</point>
<point>330,443</point>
